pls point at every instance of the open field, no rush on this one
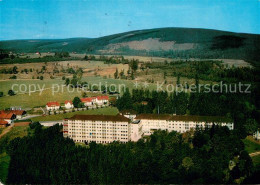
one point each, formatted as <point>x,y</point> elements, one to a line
<point>40,98</point>
<point>94,72</point>
<point>251,146</point>
<point>90,68</point>
<point>101,111</point>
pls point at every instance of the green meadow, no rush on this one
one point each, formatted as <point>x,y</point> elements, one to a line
<point>59,93</point>
<point>100,111</point>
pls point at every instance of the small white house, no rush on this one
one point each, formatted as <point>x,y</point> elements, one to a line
<point>256,135</point>
<point>102,100</point>
<point>53,105</point>
<point>69,105</point>
<point>89,101</point>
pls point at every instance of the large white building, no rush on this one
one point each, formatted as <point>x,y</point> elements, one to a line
<point>97,128</point>
<point>106,129</point>
<point>148,123</point>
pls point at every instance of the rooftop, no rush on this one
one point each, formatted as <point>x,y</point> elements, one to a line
<point>6,115</point>
<point>100,118</point>
<point>183,118</point>
<point>102,97</point>
<point>153,116</point>
<point>3,122</point>
<point>54,103</point>
<point>88,99</point>
<point>128,112</point>
<point>16,112</point>
<point>68,101</point>
<point>200,118</point>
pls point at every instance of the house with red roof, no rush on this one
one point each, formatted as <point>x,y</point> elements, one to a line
<point>3,123</point>
<point>53,105</point>
<point>102,100</point>
<point>69,104</point>
<point>18,113</point>
<point>7,117</point>
<point>98,100</point>
<point>88,101</point>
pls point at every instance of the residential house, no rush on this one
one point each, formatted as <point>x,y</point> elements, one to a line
<point>102,100</point>
<point>89,101</point>
<point>53,106</point>
<point>7,116</point>
<point>69,105</point>
<point>3,123</point>
<point>18,113</point>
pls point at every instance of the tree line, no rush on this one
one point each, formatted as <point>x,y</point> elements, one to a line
<point>240,107</point>
<point>214,155</point>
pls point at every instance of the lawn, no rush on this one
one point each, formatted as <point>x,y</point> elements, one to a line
<point>103,111</point>
<point>37,99</point>
<point>251,145</point>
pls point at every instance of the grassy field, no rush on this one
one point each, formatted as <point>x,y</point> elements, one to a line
<point>251,145</point>
<point>40,99</point>
<point>104,111</point>
<point>95,72</point>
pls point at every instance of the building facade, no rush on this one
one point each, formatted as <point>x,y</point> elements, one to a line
<point>97,128</point>
<point>99,101</point>
<point>7,117</point>
<point>148,123</point>
<point>106,129</point>
<point>68,105</point>
<point>53,105</point>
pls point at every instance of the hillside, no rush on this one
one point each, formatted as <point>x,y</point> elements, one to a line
<point>164,42</point>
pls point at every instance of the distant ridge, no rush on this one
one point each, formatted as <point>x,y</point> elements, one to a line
<point>164,42</point>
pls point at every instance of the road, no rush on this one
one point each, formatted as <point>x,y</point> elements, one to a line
<point>6,130</point>
<point>254,154</point>
<point>29,116</point>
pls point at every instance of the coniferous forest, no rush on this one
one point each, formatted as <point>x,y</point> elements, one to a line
<point>214,155</point>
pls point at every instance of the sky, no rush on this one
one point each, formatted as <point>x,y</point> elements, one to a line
<point>53,19</point>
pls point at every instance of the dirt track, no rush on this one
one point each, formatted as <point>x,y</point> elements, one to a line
<point>6,130</point>
<point>254,154</point>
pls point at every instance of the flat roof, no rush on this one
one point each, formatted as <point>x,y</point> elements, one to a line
<point>200,118</point>
<point>194,118</point>
<point>153,116</point>
<point>100,118</point>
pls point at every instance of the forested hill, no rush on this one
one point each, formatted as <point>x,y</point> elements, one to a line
<point>167,42</point>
